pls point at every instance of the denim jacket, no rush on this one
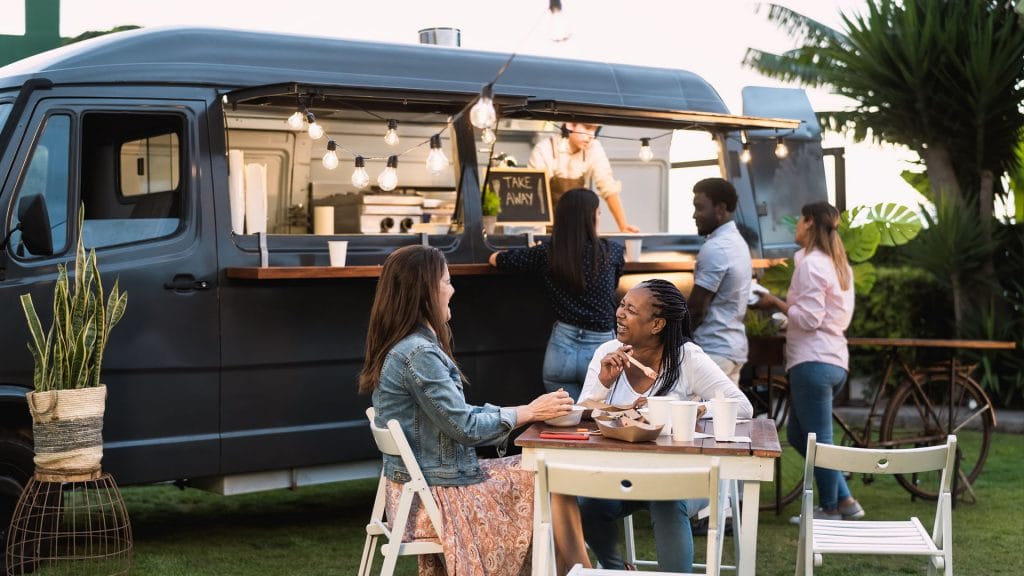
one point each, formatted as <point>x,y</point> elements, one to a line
<point>421,388</point>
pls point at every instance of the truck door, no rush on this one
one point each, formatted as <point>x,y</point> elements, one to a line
<point>133,166</point>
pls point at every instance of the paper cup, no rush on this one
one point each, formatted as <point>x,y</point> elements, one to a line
<point>633,248</point>
<point>658,413</point>
<point>338,250</point>
<point>684,419</point>
<point>723,415</point>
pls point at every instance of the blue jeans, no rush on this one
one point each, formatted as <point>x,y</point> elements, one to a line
<point>812,385</point>
<point>568,355</point>
<point>673,539</point>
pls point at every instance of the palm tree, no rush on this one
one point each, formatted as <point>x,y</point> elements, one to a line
<point>945,78</point>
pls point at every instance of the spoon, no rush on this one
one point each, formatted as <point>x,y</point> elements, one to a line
<point>647,371</point>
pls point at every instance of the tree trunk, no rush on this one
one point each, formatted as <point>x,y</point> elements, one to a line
<point>941,175</point>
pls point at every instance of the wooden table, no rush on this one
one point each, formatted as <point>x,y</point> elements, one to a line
<point>751,463</point>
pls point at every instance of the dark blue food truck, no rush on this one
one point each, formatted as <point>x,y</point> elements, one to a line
<point>206,193</point>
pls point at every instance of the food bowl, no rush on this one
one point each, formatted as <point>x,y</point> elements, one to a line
<point>628,430</point>
<point>570,419</point>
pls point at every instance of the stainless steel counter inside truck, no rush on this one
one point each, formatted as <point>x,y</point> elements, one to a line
<point>240,384</point>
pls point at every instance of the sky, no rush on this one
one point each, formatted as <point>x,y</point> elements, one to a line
<point>707,37</point>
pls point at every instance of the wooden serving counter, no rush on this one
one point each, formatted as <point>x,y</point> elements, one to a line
<point>326,272</point>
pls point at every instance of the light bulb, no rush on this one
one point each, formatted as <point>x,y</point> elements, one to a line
<point>482,114</point>
<point>781,150</point>
<point>295,121</point>
<point>563,142</point>
<point>745,154</point>
<point>558,24</point>
<point>391,136</point>
<point>388,179</point>
<point>646,154</point>
<point>436,160</point>
<point>488,136</point>
<point>360,179</point>
<point>330,159</point>
<point>315,131</point>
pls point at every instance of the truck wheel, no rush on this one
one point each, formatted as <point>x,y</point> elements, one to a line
<point>16,468</point>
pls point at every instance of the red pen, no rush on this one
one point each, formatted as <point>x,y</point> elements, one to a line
<point>564,436</point>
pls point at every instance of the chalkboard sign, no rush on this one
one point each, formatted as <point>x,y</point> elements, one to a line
<point>524,195</point>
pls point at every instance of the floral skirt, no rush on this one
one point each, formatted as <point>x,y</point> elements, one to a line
<point>488,526</point>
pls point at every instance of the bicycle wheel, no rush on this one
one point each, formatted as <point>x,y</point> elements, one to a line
<point>923,415</point>
<point>773,402</point>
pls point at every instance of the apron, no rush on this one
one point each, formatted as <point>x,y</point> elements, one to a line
<point>559,185</point>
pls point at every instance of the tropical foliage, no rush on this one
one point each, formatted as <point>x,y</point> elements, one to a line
<point>70,354</point>
<point>945,79</point>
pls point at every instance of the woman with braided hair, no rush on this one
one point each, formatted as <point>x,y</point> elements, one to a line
<point>653,326</point>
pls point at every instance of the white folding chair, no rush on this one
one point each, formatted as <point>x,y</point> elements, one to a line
<point>392,441</point>
<point>879,538</point>
<point>732,509</point>
<point>631,484</point>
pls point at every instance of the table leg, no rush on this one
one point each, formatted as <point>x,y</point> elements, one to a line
<point>540,561</point>
<point>748,530</point>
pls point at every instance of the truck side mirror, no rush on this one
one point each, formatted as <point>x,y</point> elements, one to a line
<point>35,225</point>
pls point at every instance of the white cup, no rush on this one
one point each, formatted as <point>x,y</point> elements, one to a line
<point>658,413</point>
<point>684,419</point>
<point>633,249</point>
<point>780,320</point>
<point>723,415</point>
<point>338,250</point>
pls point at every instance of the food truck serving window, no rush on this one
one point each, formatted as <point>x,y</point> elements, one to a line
<point>310,180</point>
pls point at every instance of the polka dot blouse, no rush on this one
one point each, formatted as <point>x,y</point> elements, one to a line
<point>592,310</point>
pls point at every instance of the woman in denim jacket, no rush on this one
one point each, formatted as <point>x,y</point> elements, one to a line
<point>486,505</point>
<point>580,272</point>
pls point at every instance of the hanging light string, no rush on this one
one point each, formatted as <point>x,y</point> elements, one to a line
<point>481,110</point>
<point>781,149</point>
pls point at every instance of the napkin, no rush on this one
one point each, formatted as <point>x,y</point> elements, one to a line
<point>735,439</point>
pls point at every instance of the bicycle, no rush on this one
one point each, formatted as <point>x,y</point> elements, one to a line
<point>922,405</point>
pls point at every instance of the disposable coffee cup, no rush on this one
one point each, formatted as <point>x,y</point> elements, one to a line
<point>780,320</point>
<point>338,250</point>
<point>684,419</point>
<point>723,415</point>
<point>658,413</point>
<point>633,248</point>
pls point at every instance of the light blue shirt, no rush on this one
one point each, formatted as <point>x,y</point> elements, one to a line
<point>724,268</point>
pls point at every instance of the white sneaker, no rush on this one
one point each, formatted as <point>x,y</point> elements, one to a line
<point>819,514</point>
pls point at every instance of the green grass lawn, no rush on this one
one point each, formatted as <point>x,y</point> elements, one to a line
<point>319,530</point>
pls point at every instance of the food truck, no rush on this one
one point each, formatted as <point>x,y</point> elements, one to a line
<point>202,160</point>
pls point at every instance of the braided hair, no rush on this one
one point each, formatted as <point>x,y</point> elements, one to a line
<point>670,305</point>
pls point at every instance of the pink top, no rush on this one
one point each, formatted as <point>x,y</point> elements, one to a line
<point>819,312</point>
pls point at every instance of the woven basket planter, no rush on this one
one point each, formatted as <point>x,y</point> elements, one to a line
<point>67,426</point>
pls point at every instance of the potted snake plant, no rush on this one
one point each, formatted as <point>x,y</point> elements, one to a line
<point>68,402</point>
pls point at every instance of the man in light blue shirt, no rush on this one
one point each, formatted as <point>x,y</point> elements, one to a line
<point>721,280</point>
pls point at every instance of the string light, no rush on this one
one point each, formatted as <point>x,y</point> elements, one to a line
<point>745,154</point>
<point>482,114</point>
<point>316,131</point>
<point>563,141</point>
<point>296,121</point>
<point>436,160</point>
<point>330,158</point>
<point>781,150</point>
<point>388,179</point>
<point>558,24</point>
<point>646,154</point>
<point>360,179</point>
<point>391,136</point>
<point>488,136</point>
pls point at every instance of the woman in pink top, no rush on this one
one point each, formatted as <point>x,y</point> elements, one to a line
<point>819,306</point>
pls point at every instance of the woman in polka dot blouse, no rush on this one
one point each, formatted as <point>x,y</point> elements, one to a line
<point>579,272</point>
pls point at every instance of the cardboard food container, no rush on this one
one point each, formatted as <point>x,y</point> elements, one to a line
<point>627,429</point>
<point>596,409</point>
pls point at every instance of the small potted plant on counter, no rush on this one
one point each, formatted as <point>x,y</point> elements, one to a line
<point>491,207</point>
